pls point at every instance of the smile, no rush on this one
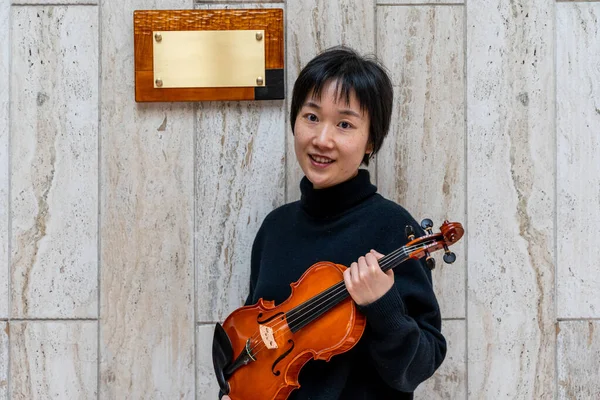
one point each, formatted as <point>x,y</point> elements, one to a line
<point>320,159</point>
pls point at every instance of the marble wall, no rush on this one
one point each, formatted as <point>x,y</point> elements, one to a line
<point>125,228</point>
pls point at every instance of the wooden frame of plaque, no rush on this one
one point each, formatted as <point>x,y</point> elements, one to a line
<point>148,25</point>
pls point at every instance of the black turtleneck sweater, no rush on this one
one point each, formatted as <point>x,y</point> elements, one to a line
<point>402,344</point>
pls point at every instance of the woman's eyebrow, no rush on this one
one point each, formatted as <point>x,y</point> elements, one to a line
<point>311,104</point>
<point>342,111</point>
<point>347,111</point>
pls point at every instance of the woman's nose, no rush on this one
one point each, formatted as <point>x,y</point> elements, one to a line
<point>324,137</point>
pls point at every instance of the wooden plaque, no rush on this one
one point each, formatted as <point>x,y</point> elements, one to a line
<point>147,22</point>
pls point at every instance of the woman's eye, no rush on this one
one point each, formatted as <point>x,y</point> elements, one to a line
<point>345,125</point>
<point>311,117</point>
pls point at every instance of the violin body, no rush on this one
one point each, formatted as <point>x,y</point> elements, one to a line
<point>280,354</point>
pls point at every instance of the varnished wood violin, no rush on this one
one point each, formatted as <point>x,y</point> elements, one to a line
<point>260,349</point>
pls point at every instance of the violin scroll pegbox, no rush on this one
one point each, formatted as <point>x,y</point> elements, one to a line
<point>450,233</point>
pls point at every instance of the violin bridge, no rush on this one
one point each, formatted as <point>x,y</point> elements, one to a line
<point>267,336</point>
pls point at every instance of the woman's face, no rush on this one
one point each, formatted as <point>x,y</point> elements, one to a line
<point>331,137</point>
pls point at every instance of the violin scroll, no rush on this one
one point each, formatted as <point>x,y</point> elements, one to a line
<point>450,233</point>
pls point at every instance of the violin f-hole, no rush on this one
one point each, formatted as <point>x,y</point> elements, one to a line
<point>281,357</point>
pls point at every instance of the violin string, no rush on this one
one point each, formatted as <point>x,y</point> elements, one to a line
<point>338,289</point>
<point>325,298</point>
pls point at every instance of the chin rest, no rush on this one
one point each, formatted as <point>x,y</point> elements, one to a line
<point>222,354</point>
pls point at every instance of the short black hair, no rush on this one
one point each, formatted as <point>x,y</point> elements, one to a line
<point>352,72</point>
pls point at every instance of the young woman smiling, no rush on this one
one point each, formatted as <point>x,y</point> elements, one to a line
<point>340,114</point>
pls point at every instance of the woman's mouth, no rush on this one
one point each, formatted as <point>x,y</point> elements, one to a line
<point>320,159</point>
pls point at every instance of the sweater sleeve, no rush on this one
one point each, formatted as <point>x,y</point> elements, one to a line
<point>404,325</point>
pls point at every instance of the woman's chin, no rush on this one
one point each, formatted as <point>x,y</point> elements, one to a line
<point>321,183</point>
<point>318,183</point>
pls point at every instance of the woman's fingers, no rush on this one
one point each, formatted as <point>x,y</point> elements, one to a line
<point>377,254</point>
<point>371,260</point>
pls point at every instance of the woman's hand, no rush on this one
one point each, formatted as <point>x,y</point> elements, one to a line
<point>365,280</point>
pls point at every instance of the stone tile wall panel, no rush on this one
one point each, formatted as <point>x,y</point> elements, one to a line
<point>578,159</point>
<point>54,162</point>
<point>53,360</point>
<point>422,163</point>
<point>147,331</point>
<point>510,191</point>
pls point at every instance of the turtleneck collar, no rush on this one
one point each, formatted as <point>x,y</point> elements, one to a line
<point>335,200</point>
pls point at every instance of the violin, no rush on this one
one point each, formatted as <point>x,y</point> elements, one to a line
<point>260,349</point>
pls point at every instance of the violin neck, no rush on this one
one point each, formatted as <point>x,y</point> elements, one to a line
<point>395,258</point>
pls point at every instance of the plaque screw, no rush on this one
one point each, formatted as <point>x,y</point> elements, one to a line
<point>158,82</point>
<point>259,35</point>
<point>259,80</point>
<point>158,37</point>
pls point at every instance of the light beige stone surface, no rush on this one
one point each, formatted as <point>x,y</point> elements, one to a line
<point>207,387</point>
<point>53,360</point>
<point>422,164</point>
<point>510,181</point>
<point>239,180</point>
<point>54,162</point>
<point>3,360</point>
<point>578,164</point>
<point>4,168</point>
<point>450,380</point>
<point>578,358</point>
<point>314,26</point>
<point>147,278</point>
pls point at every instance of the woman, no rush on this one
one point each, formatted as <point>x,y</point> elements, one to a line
<point>340,114</point>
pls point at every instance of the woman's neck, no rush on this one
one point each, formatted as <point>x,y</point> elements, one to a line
<point>335,200</point>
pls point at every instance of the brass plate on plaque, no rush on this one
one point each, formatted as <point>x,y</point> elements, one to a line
<point>146,23</point>
<point>225,58</point>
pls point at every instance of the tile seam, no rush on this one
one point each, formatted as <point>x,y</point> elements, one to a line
<point>9,200</point>
<point>52,319</point>
<point>52,4</point>
<point>195,325</point>
<point>421,4</point>
<point>579,319</point>
<point>225,2</point>
<point>99,219</point>
<point>555,219</point>
<point>466,190</point>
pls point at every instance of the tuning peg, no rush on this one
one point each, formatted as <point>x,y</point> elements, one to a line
<point>449,257</point>
<point>430,261</point>
<point>410,233</point>
<point>427,224</point>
